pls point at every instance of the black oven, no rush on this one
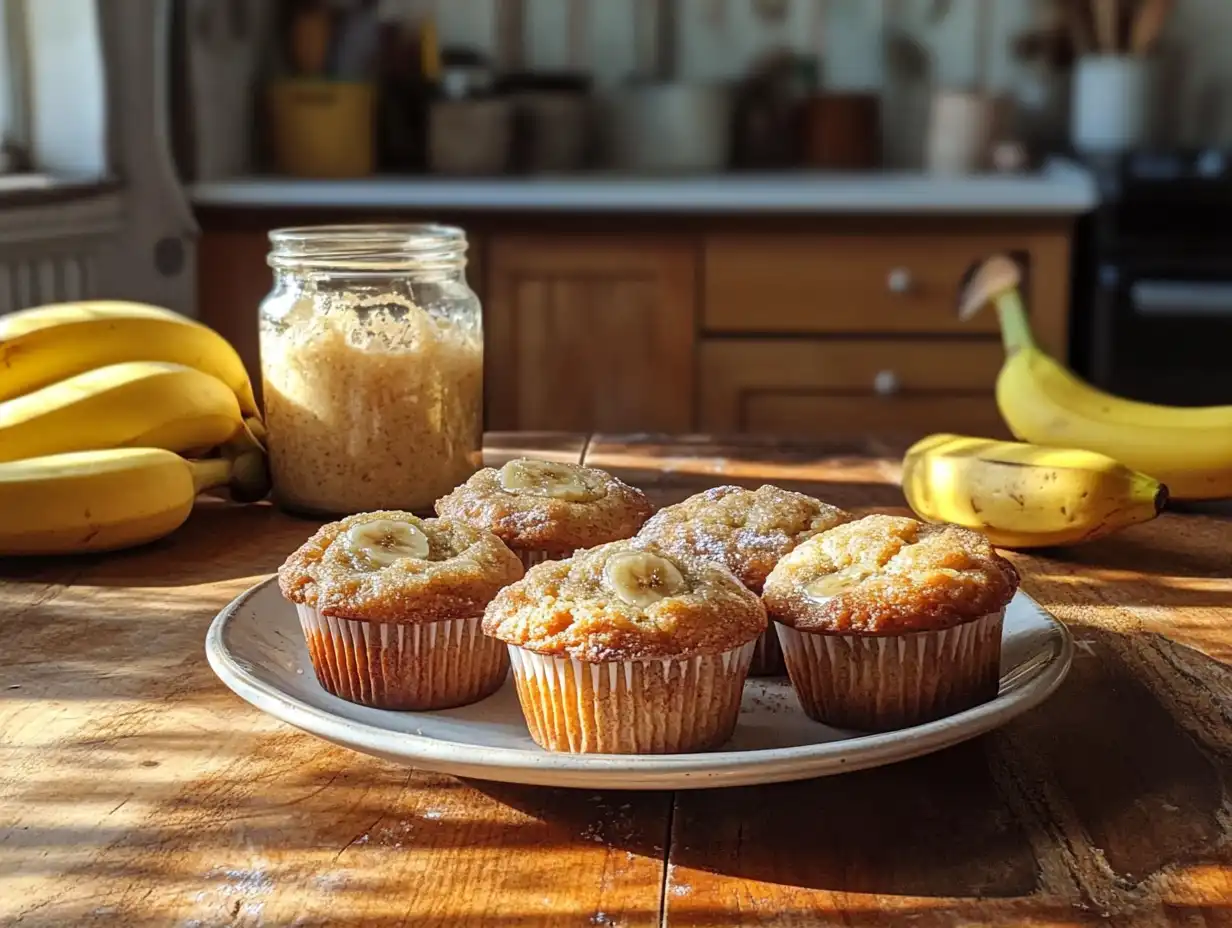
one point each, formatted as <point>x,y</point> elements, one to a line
<point>1153,292</point>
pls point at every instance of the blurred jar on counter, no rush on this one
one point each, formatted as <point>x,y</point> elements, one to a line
<point>372,362</point>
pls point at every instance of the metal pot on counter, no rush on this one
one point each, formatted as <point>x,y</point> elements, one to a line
<point>668,127</point>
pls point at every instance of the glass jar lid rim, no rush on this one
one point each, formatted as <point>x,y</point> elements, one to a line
<point>370,246</point>
<point>411,234</point>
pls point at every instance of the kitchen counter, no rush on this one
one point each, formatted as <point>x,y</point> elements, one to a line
<point>137,790</point>
<point>1060,188</point>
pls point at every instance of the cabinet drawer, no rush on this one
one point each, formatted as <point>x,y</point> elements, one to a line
<point>842,283</point>
<point>848,388</point>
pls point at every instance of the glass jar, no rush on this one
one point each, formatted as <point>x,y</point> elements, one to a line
<point>372,363</point>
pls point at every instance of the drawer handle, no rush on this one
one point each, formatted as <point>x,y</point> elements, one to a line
<point>899,280</point>
<point>886,383</point>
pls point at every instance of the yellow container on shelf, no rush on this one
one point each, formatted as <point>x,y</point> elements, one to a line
<point>322,128</point>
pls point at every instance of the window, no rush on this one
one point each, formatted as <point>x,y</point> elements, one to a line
<point>53,89</point>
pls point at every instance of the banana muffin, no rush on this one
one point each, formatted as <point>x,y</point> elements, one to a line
<point>888,622</point>
<point>545,510</point>
<point>626,649</point>
<point>747,531</point>
<point>392,608</point>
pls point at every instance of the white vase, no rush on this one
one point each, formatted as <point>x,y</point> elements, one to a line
<point>1113,104</point>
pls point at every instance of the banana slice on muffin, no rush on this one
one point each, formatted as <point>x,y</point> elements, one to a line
<point>641,578</point>
<point>526,477</point>
<point>386,541</point>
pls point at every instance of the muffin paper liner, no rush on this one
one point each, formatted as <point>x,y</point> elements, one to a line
<point>768,656</point>
<point>630,707</point>
<point>881,683</point>
<point>397,665</point>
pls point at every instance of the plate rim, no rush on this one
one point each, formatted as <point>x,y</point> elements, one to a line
<point>777,764</point>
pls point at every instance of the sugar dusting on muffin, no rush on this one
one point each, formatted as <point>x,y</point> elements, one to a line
<point>391,566</point>
<point>889,575</point>
<point>553,507</point>
<point>589,606</point>
<point>747,531</point>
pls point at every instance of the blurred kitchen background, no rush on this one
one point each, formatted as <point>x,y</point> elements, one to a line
<point>721,215</point>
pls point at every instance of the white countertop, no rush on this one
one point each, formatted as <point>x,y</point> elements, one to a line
<point>1061,187</point>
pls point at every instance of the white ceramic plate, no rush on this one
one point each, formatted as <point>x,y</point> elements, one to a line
<point>256,647</point>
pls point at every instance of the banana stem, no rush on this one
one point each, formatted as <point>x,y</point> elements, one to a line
<point>1015,330</point>
<point>210,473</point>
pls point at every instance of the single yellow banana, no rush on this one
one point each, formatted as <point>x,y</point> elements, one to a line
<point>46,344</point>
<point>1188,449</point>
<point>1026,496</point>
<point>135,404</point>
<point>99,500</point>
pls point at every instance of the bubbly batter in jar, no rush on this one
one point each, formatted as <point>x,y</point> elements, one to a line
<point>371,400</point>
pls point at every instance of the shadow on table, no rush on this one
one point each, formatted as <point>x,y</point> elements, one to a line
<point>1157,549</point>
<point>1107,784</point>
<point>1110,776</point>
<point>1102,777</point>
<point>219,542</point>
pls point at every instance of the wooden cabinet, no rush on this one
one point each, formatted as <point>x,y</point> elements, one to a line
<point>824,388</point>
<point>232,280</point>
<point>590,333</point>
<point>817,326</point>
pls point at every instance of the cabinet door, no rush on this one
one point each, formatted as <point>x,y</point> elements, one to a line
<point>232,280</point>
<point>591,333</point>
<point>844,389</point>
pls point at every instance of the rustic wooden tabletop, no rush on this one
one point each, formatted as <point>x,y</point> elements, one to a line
<point>136,790</point>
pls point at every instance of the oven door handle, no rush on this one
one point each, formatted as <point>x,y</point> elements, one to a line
<point>1181,298</point>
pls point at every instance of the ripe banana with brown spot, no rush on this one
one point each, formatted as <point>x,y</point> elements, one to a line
<point>1187,448</point>
<point>1026,496</point>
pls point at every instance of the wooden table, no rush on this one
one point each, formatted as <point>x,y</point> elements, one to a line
<point>136,790</point>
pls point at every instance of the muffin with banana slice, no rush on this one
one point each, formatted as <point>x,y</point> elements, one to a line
<point>888,622</point>
<point>747,531</point>
<point>392,607</point>
<point>545,510</point>
<point>627,649</point>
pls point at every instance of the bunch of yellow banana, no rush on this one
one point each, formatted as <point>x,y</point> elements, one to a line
<point>47,344</point>
<point>106,500</point>
<point>1026,496</point>
<point>1189,449</point>
<point>98,401</point>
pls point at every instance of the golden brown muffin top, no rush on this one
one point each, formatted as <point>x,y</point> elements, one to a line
<point>888,575</point>
<point>532,504</point>
<point>626,601</point>
<point>395,567</point>
<point>747,531</point>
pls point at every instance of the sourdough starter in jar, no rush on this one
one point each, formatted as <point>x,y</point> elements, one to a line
<point>371,402</point>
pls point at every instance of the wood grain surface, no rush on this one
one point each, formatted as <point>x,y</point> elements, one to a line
<point>136,790</point>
